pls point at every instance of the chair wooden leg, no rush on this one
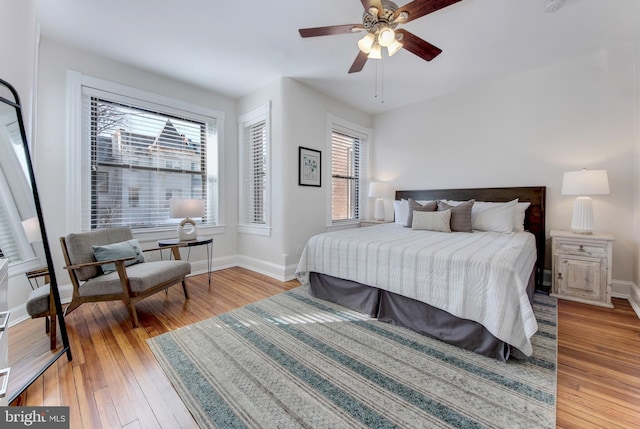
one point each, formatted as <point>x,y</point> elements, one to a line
<point>52,333</point>
<point>72,306</point>
<point>184,288</point>
<point>132,313</point>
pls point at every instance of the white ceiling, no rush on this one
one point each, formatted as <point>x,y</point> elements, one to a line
<point>236,47</point>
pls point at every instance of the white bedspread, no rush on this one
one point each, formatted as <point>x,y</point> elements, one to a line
<point>480,276</point>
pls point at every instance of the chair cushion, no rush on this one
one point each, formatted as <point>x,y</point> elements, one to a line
<point>80,247</point>
<point>141,277</point>
<point>38,301</point>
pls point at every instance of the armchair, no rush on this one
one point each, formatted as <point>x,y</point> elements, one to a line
<point>129,281</point>
<point>40,302</point>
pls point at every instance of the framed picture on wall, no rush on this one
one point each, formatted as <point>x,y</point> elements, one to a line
<point>310,167</point>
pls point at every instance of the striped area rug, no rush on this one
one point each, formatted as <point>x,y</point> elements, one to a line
<point>293,361</point>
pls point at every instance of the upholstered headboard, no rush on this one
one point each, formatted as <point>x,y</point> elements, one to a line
<point>534,221</point>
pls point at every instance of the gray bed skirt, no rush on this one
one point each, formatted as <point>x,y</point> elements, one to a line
<point>418,316</point>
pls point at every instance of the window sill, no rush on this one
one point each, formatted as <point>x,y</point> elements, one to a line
<point>147,236</point>
<point>264,231</point>
<point>344,225</point>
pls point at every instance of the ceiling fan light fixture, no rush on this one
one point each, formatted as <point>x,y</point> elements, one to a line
<point>386,36</point>
<point>394,47</point>
<point>376,52</point>
<point>366,43</point>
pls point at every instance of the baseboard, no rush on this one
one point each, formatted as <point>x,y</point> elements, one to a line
<point>634,298</point>
<point>270,269</point>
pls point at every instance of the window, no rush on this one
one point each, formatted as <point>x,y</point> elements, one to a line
<point>254,171</point>
<point>16,198</point>
<point>134,151</point>
<point>347,173</point>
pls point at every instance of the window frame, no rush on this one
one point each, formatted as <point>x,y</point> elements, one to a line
<point>77,187</point>
<point>262,113</point>
<point>365,134</point>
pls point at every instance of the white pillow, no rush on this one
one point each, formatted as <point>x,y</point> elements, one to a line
<point>432,221</point>
<point>401,212</point>
<point>518,213</point>
<point>497,217</point>
<point>518,216</point>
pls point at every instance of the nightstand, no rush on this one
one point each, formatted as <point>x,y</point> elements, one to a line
<point>581,265</point>
<point>371,222</point>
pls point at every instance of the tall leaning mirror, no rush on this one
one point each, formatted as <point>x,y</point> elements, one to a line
<point>33,334</point>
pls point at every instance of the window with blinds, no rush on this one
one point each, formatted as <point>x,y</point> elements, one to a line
<point>346,168</point>
<point>140,158</point>
<point>254,169</point>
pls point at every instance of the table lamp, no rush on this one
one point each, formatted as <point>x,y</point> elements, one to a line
<point>186,208</point>
<point>31,228</point>
<point>584,183</point>
<point>377,190</point>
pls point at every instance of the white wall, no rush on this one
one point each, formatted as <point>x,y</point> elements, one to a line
<point>525,130</point>
<point>55,59</point>
<point>299,118</point>
<point>18,53</point>
<point>18,50</point>
<point>634,297</point>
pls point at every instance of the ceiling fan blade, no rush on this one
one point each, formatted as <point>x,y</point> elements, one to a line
<point>330,30</point>
<point>359,62</point>
<point>418,8</point>
<point>417,46</point>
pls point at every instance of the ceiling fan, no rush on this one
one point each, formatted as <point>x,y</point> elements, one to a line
<point>380,21</point>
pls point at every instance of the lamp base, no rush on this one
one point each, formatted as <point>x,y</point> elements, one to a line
<point>186,233</point>
<point>379,213</point>
<point>582,221</point>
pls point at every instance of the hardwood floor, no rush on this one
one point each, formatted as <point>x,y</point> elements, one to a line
<point>115,382</point>
<point>598,366</point>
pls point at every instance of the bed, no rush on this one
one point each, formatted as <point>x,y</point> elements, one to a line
<point>473,290</point>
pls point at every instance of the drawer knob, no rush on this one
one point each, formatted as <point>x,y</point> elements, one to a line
<point>581,249</point>
<point>559,276</point>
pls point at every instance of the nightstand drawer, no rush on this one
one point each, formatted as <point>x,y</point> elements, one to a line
<point>584,248</point>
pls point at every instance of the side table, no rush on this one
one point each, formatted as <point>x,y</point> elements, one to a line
<point>199,241</point>
<point>581,265</point>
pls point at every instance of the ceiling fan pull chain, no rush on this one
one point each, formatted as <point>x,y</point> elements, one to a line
<point>382,80</point>
<point>375,85</point>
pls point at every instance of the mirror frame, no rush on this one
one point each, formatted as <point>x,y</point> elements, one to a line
<point>47,250</point>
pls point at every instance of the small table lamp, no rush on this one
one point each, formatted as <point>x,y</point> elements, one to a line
<point>31,228</point>
<point>377,190</point>
<point>186,208</point>
<point>583,183</point>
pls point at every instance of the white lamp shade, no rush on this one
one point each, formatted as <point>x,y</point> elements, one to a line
<point>31,228</point>
<point>377,189</point>
<point>386,36</point>
<point>376,52</point>
<point>394,47</point>
<point>585,182</point>
<point>186,207</point>
<point>366,43</point>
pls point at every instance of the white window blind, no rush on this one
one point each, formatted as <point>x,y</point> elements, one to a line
<point>346,149</point>
<point>8,241</point>
<point>254,169</point>
<point>140,158</point>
